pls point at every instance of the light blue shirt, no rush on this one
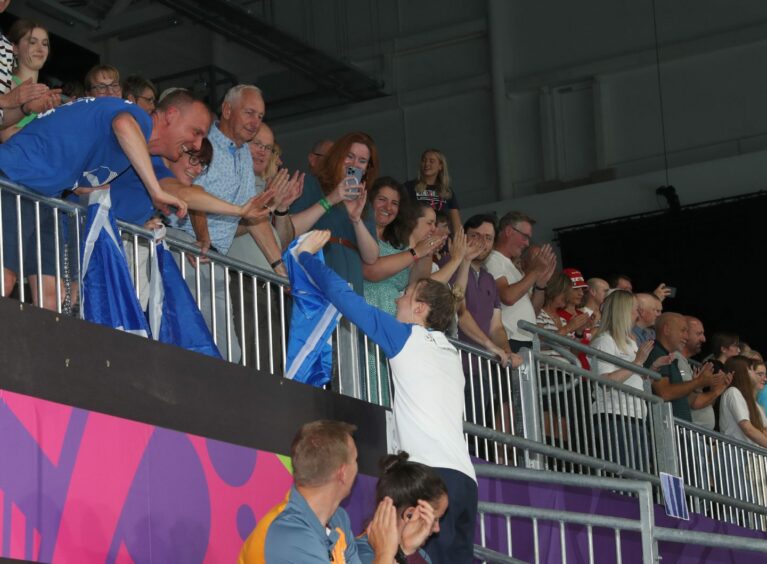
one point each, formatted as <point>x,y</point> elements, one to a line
<point>229,177</point>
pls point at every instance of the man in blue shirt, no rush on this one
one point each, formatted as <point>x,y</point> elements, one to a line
<point>229,177</point>
<point>309,526</point>
<point>83,145</point>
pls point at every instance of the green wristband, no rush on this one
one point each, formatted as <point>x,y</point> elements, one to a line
<point>325,204</point>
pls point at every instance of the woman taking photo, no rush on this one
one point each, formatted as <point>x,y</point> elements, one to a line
<point>419,497</point>
<point>428,376</point>
<point>621,432</point>
<point>433,186</point>
<point>335,200</point>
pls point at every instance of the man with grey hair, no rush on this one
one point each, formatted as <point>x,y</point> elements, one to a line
<point>230,177</point>
<point>650,308</point>
<point>521,293</point>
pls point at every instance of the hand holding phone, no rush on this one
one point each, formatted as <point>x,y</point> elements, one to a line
<point>352,182</point>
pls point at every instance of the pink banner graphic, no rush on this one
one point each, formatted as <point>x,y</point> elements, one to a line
<point>79,486</point>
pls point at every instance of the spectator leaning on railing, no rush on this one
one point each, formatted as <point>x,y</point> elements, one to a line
<point>44,157</point>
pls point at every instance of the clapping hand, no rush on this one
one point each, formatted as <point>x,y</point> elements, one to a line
<point>643,352</point>
<point>287,188</point>
<point>419,525</point>
<point>258,206</point>
<point>383,534</point>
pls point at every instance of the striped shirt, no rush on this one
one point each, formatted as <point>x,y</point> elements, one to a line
<point>6,67</point>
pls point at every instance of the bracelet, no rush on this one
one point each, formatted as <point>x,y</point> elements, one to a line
<point>537,287</point>
<point>412,252</point>
<point>325,204</point>
<point>25,112</point>
<point>279,213</point>
<point>276,263</point>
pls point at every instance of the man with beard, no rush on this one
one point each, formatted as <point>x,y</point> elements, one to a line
<point>701,400</point>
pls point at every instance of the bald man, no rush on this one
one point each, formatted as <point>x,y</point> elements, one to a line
<point>671,337</point>
<point>650,308</point>
<point>595,296</point>
<point>701,401</point>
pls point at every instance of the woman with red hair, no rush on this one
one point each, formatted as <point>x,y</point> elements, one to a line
<point>335,200</point>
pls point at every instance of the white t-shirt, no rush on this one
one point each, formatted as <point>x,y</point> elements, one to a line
<point>613,401</point>
<point>428,403</point>
<point>705,416</point>
<point>732,410</point>
<point>522,310</point>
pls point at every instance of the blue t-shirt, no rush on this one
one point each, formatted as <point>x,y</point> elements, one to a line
<point>130,199</point>
<point>71,146</point>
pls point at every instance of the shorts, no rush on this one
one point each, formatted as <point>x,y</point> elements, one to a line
<point>11,259</point>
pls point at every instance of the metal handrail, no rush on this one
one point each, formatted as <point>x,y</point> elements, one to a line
<point>506,472</point>
<point>756,449</point>
<point>489,555</point>
<point>578,371</point>
<point>564,341</point>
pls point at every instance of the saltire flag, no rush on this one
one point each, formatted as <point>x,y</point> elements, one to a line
<point>108,295</point>
<point>314,318</point>
<point>173,314</point>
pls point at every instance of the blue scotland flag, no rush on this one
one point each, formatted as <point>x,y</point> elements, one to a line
<point>173,314</point>
<point>314,318</point>
<point>108,295</point>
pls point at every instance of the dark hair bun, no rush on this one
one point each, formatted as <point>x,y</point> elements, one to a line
<point>391,461</point>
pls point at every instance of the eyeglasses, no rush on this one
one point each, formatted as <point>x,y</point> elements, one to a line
<point>477,235</point>
<point>148,99</point>
<point>194,160</point>
<point>261,147</point>
<point>101,88</point>
<point>525,236</point>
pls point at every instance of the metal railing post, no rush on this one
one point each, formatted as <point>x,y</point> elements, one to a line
<point>531,416</point>
<point>666,456</point>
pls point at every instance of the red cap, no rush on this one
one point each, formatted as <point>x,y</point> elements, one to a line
<point>575,277</point>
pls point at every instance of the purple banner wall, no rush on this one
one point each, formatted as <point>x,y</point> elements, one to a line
<point>80,486</point>
<point>598,502</point>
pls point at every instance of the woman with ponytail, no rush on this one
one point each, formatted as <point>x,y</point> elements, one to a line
<point>419,498</point>
<point>428,379</point>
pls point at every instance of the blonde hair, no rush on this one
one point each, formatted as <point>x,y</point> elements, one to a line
<point>616,318</point>
<point>443,177</point>
<point>272,167</point>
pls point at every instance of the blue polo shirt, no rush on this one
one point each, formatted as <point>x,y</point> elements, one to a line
<point>71,146</point>
<point>291,532</point>
<point>130,199</point>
